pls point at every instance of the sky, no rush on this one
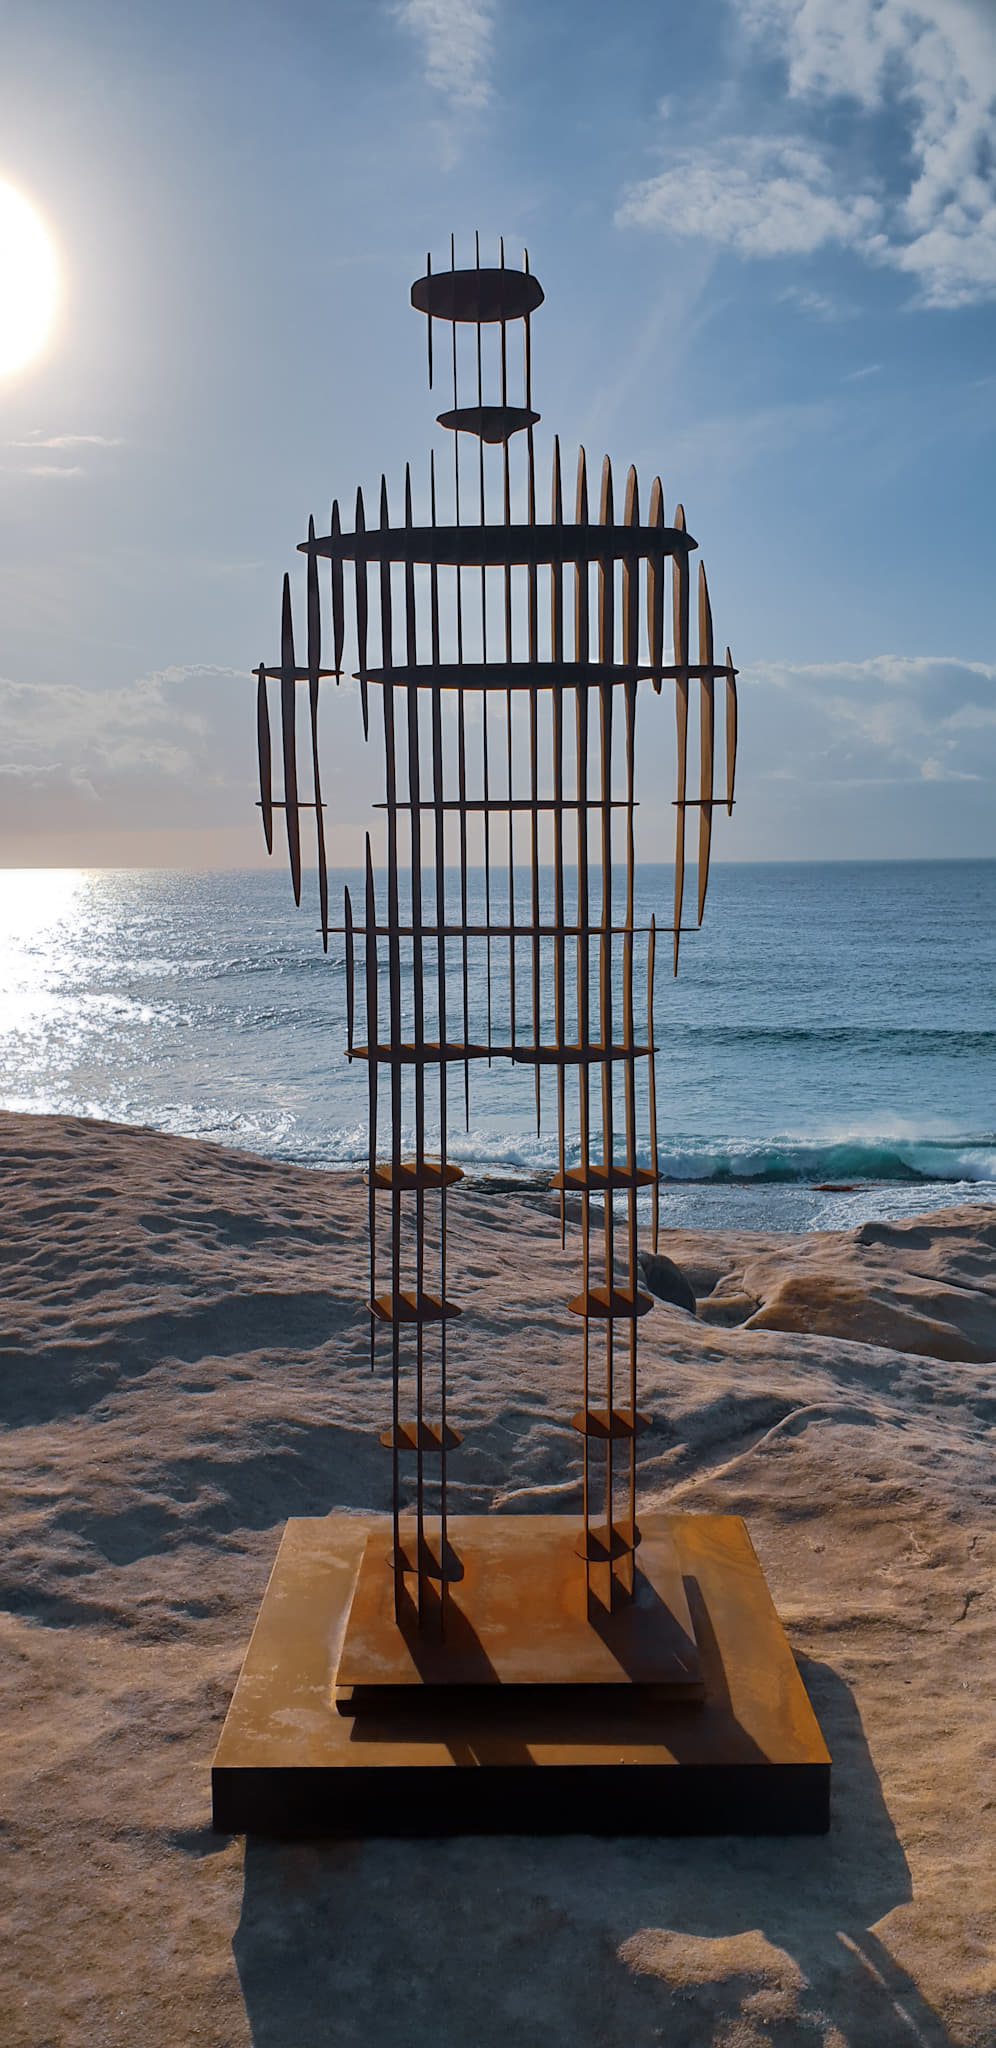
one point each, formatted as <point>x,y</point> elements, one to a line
<point>766,232</point>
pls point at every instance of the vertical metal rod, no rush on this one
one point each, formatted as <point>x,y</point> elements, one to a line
<point>461,736</point>
<point>484,656</point>
<point>439,815</point>
<point>418,996</point>
<point>557,716</point>
<point>508,732</point>
<point>533,637</point>
<point>462,774</point>
<point>606,648</point>
<point>528,344</point>
<point>652,1079</point>
<point>581,650</point>
<point>631,636</point>
<point>507,516</point>
<point>394,985</point>
<point>631,649</point>
<point>373,1045</point>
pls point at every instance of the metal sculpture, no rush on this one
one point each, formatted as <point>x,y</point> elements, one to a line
<point>492,1672</point>
<point>508,653</point>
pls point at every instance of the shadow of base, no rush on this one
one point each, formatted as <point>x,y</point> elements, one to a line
<point>600,1943</point>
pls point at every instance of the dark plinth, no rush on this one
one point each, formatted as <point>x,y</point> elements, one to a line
<point>591,1758</point>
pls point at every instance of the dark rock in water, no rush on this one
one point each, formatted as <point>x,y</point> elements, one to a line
<point>666,1280</point>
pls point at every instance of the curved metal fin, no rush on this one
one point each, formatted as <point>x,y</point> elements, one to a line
<point>631,574</point>
<point>606,512</point>
<point>386,637</point>
<point>314,667</point>
<point>350,970</point>
<point>606,574</point>
<point>362,618</point>
<point>265,753</point>
<point>338,606</point>
<point>288,679</point>
<point>428,272</point>
<point>707,736</point>
<point>679,595</point>
<point>655,587</point>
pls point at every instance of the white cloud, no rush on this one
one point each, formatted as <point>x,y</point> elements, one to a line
<point>173,746</point>
<point>53,469</point>
<point>760,197</point>
<point>818,304</point>
<point>456,43</point>
<point>928,211</point>
<point>36,440</point>
<point>890,718</point>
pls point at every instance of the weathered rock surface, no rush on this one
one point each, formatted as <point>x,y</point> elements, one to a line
<point>185,1364</point>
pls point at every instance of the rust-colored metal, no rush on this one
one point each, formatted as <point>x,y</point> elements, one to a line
<point>422,958</point>
<point>607,1759</point>
<point>509,1624</point>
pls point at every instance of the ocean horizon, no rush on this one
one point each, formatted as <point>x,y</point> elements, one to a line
<point>825,1055</point>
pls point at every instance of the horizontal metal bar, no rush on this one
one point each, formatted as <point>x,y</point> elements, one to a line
<point>610,1303</point>
<point>518,803</point>
<point>595,1423</point>
<point>595,1177</point>
<point>521,1054</point>
<point>412,1176</point>
<point>571,1055</point>
<point>411,1436</point>
<point>498,547</point>
<point>535,675</point>
<point>425,1054</point>
<point>503,931</point>
<point>412,1308</point>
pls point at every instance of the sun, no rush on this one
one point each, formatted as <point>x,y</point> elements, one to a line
<point>29,281</point>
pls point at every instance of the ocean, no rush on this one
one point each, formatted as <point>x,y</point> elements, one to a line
<point>826,1055</point>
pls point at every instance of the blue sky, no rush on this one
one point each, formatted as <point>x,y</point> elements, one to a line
<point>766,230</point>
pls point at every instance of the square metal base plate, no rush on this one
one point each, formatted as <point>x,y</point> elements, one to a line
<point>747,1758</point>
<point>521,1615</point>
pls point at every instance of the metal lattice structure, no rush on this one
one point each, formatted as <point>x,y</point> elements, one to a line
<point>508,654</point>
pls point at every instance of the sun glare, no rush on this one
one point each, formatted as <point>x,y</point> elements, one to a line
<point>29,281</point>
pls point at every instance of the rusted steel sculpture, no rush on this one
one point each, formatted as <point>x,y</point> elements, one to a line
<point>508,653</point>
<point>431,1674</point>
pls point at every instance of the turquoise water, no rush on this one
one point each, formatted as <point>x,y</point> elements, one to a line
<point>830,1023</point>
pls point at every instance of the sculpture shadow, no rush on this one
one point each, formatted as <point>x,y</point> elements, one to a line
<point>403,1944</point>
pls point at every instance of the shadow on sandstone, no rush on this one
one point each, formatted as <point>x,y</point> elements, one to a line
<point>403,1944</point>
